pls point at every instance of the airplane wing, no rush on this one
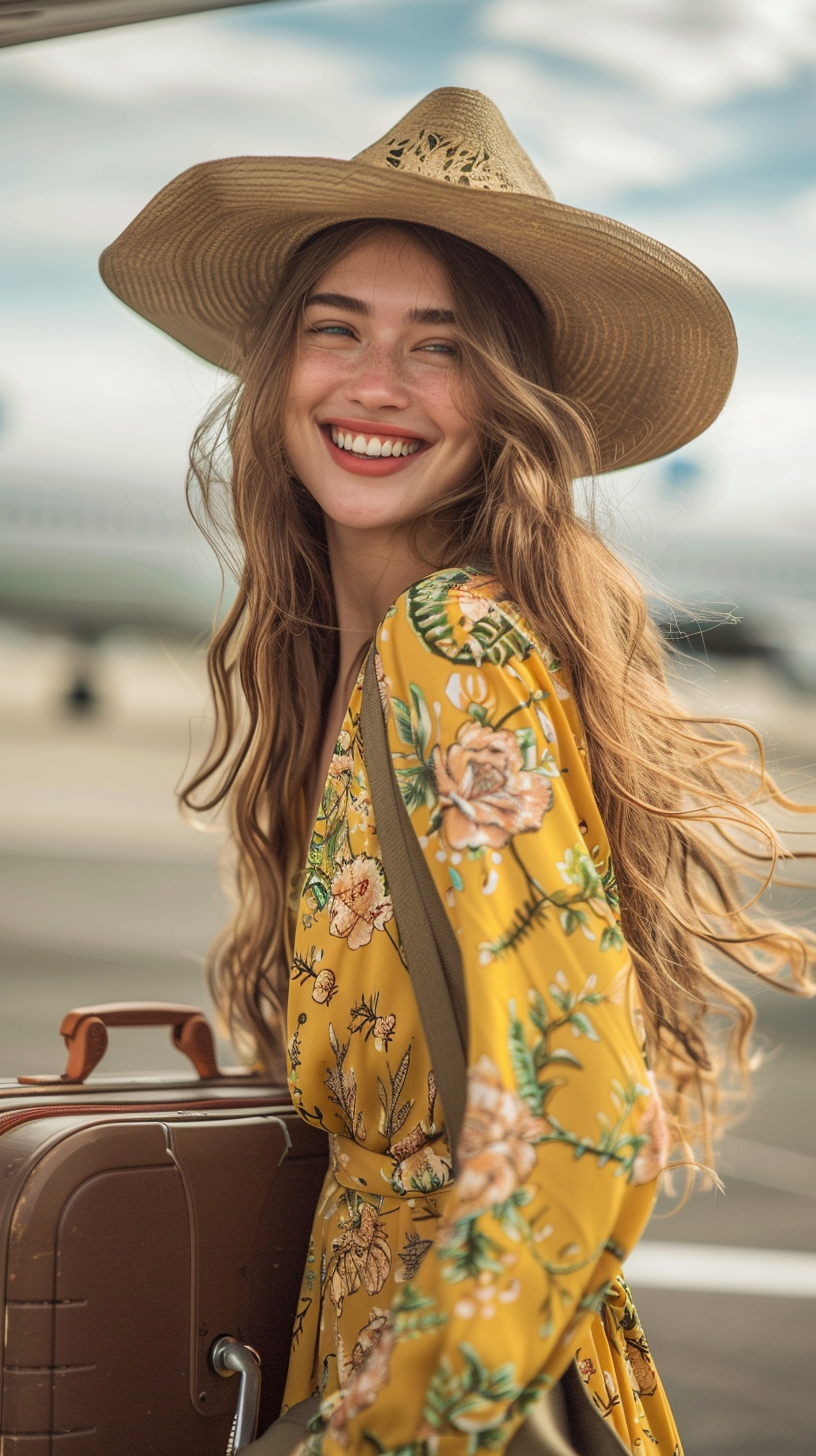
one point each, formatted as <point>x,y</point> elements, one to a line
<point>21,23</point>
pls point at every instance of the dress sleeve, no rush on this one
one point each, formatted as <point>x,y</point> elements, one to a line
<point>558,1151</point>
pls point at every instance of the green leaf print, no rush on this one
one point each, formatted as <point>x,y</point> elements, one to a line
<point>414,1312</point>
<point>612,938</point>
<point>526,739</point>
<point>577,869</point>
<point>417,786</point>
<point>524,1068</point>
<point>526,917</point>
<point>317,885</point>
<point>442,621</point>
<point>414,724</point>
<point>582,1026</point>
<point>456,1400</point>
<point>497,1384</point>
<point>421,719</point>
<point>402,718</point>
<point>528,1060</point>
<point>468,1252</point>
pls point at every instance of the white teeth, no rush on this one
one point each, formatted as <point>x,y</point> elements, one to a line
<point>372,446</point>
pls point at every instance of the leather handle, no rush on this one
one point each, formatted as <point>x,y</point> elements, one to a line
<point>85,1032</point>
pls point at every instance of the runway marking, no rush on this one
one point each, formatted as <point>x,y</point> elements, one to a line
<point>718,1269</point>
<point>769,1167</point>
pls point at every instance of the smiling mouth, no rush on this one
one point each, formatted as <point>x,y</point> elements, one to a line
<point>372,447</point>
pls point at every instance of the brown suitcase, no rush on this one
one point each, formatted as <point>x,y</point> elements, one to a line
<point>141,1220</point>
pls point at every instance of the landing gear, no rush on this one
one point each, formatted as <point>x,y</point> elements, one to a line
<point>82,697</point>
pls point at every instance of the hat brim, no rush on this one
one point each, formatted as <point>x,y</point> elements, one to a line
<point>637,334</point>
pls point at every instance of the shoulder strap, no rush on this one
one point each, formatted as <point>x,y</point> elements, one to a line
<point>428,939</point>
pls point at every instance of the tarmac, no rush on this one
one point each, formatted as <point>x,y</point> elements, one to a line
<point>106,894</point>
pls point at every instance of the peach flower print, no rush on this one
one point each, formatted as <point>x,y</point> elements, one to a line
<point>359,904</point>
<point>497,1148</point>
<point>485,794</point>
<point>366,1382</point>
<point>341,763</point>
<point>653,1156</point>
<point>368,1338</point>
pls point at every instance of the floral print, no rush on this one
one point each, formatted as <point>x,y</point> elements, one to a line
<point>498,1142</point>
<point>358,904</point>
<point>485,796</point>
<point>360,1256</point>
<point>439,1309</point>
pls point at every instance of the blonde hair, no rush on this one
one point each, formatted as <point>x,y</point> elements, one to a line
<point>679,795</point>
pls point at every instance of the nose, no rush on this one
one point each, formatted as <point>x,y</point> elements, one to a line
<point>378,382</point>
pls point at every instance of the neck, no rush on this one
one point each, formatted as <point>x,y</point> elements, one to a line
<point>370,569</point>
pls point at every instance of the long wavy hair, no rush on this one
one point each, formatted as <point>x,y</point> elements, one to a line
<point>681,796</point>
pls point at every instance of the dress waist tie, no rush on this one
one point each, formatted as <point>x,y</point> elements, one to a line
<point>415,1166</point>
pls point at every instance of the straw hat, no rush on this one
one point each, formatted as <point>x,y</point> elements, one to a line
<point>636,332</point>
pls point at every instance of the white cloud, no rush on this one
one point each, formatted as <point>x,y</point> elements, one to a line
<point>101,397</point>
<point>590,141</point>
<point>145,102</point>
<point>696,51</point>
<point>183,58</point>
<point>770,250</point>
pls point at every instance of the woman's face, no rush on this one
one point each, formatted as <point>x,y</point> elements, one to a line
<point>371,424</point>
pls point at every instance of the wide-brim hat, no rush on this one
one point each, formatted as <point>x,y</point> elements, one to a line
<point>635,332</point>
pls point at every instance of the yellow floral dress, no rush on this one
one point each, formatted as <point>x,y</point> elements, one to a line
<point>434,1311</point>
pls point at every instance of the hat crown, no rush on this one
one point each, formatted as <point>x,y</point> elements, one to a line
<point>458,136</point>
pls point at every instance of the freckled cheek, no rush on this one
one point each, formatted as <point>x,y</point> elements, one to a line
<point>443,405</point>
<point>316,375</point>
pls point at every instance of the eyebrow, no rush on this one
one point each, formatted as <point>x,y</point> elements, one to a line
<point>356,305</point>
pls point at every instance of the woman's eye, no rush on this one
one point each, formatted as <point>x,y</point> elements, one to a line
<point>440,348</point>
<point>341,330</point>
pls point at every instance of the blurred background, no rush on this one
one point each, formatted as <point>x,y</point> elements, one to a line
<point>694,120</point>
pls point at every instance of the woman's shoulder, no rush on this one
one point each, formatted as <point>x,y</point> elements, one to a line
<point>465,616</point>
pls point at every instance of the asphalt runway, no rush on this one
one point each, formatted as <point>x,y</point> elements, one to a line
<point>106,895</point>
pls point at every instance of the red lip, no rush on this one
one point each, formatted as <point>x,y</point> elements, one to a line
<point>367,427</point>
<point>373,465</point>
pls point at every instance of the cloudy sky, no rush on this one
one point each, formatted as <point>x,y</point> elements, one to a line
<point>694,120</point>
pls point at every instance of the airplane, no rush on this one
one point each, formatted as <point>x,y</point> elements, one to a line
<point>83,562</point>
<point>20,24</point>
<point>717,585</point>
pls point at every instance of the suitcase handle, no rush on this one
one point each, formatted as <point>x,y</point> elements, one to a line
<point>229,1357</point>
<point>86,1036</point>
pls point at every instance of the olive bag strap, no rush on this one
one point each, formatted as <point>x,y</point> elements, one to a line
<point>563,1422</point>
<point>428,939</point>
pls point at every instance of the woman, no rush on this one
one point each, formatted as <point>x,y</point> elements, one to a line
<point>424,371</point>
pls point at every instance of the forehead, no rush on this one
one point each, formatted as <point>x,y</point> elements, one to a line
<point>389,269</point>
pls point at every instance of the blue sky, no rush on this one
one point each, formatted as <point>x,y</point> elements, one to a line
<point>694,120</point>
